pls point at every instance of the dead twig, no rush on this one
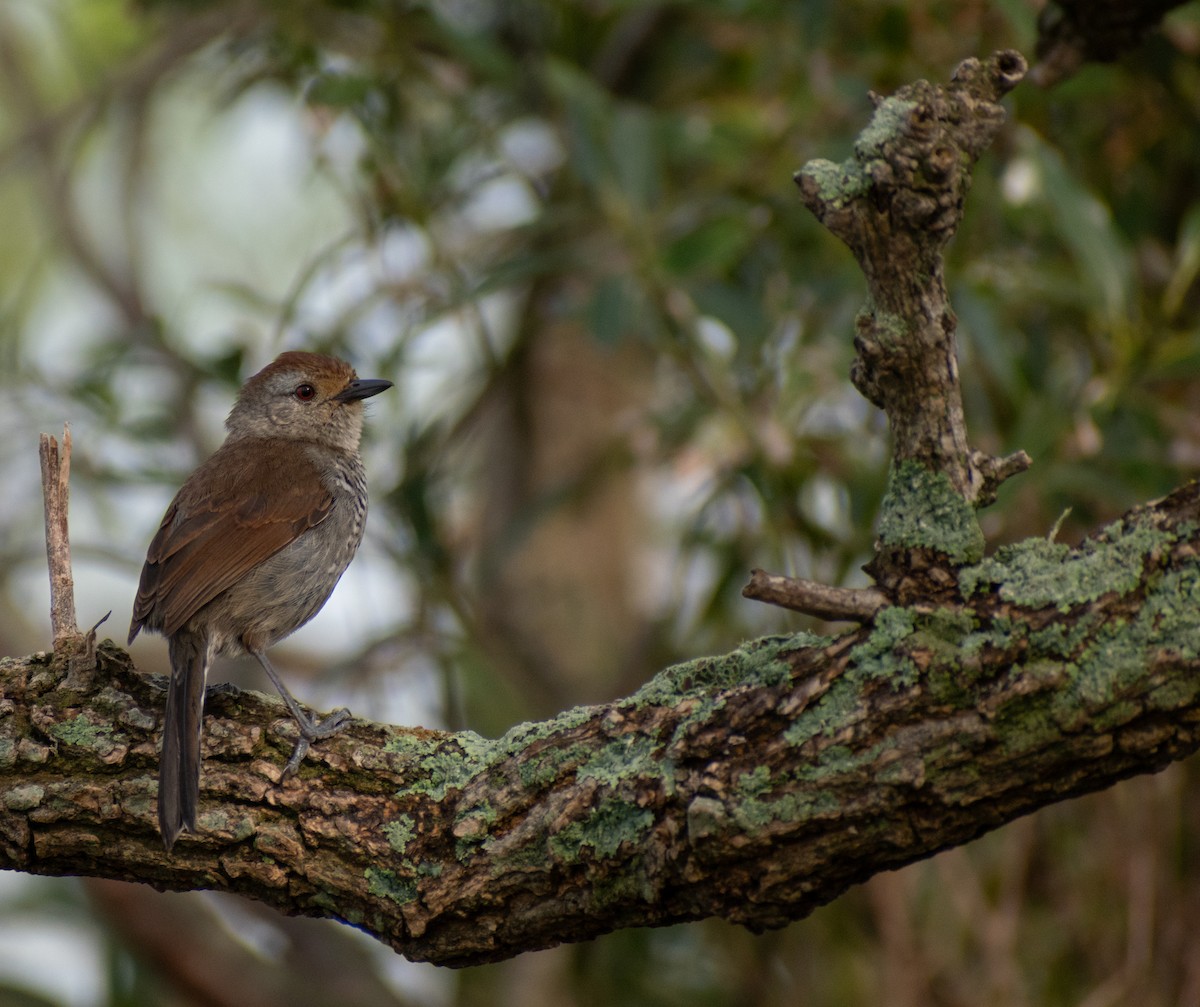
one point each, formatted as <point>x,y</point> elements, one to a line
<point>837,604</point>
<point>77,649</point>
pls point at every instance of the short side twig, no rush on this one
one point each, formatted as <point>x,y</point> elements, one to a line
<point>836,604</point>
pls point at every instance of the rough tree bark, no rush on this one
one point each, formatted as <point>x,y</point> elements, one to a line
<point>754,786</point>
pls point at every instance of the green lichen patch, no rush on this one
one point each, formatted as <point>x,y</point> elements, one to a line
<point>1115,659</point>
<point>410,743</point>
<point>545,766</point>
<point>81,732</point>
<point>1174,694</point>
<point>810,791</point>
<point>471,824</point>
<point>752,814</point>
<point>888,124</point>
<point>753,784</point>
<point>1063,639</point>
<point>1171,611</point>
<point>386,884</point>
<point>451,763</point>
<point>1105,684</point>
<point>922,509</point>
<point>701,686</point>
<point>876,656</point>
<point>837,185</point>
<point>400,832</point>
<point>944,638</point>
<point>1036,574</point>
<point>1122,652</point>
<point>1077,672</point>
<point>836,761</point>
<point>755,662</point>
<point>1002,633</point>
<point>520,737</point>
<point>947,626</point>
<point>624,757</point>
<point>621,887</point>
<point>1027,726</point>
<point>603,829</point>
<point>832,711</point>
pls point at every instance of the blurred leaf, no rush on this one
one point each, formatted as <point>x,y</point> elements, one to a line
<point>588,111</point>
<point>1085,226</point>
<point>1187,262</point>
<point>710,248</point>
<point>636,155</point>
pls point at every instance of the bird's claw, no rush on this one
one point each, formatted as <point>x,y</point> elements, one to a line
<point>314,730</point>
<point>297,757</point>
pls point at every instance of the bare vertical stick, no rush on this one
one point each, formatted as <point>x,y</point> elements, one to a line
<point>56,471</point>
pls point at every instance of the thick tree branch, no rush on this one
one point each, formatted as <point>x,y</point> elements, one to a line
<point>754,786</point>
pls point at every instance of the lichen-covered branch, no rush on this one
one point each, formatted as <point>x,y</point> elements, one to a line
<point>896,203</point>
<point>754,786</point>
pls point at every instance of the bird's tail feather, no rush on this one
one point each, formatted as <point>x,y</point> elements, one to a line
<point>179,765</point>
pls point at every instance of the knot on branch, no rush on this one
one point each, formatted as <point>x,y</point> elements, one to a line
<point>991,79</point>
<point>889,354</point>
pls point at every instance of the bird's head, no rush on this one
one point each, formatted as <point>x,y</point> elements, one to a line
<point>304,396</point>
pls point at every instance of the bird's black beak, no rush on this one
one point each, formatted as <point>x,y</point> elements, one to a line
<point>362,388</point>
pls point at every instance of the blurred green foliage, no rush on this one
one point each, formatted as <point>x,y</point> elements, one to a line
<point>464,183</point>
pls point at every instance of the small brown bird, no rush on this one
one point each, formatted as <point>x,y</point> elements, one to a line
<point>250,549</point>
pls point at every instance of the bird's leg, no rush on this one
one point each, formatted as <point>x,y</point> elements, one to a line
<point>311,729</point>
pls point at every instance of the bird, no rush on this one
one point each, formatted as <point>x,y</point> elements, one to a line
<point>251,548</point>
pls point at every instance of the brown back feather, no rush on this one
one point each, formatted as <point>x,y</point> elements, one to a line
<point>248,501</point>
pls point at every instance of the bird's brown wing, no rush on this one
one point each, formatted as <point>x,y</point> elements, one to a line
<point>240,507</point>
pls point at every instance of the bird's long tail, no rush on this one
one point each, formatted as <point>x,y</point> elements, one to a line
<point>179,765</point>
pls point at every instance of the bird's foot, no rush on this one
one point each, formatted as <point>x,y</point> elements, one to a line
<point>312,730</point>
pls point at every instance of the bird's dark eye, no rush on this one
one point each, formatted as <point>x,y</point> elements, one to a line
<point>305,392</point>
